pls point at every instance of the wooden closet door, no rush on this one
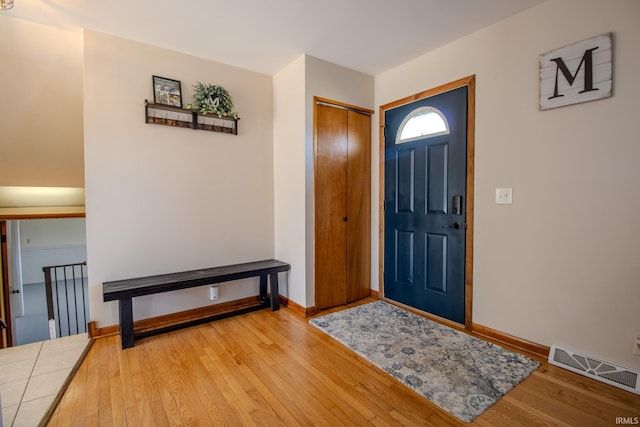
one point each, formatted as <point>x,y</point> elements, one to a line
<point>331,206</point>
<point>358,206</point>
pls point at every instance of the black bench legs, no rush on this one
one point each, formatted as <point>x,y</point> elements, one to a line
<point>275,295</point>
<point>126,322</point>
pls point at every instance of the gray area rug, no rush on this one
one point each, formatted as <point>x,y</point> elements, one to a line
<point>460,373</point>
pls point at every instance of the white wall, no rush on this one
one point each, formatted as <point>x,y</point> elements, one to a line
<point>41,108</point>
<point>46,242</point>
<point>288,175</point>
<point>294,90</point>
<point>44,233</point>
<point>162,199</point>
<point>327,80</point>
<point>560,265</point>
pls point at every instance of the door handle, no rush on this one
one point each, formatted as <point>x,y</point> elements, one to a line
<point>15,291</point>
<point>455,225</point>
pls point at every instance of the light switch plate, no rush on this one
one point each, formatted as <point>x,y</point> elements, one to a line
<point>504,196</point>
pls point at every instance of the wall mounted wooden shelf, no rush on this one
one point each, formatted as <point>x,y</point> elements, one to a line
<point>168,115</point>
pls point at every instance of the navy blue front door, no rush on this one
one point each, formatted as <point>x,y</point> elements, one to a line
<point>424,212</point>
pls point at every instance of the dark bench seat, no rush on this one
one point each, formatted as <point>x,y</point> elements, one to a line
<point>124,290</point>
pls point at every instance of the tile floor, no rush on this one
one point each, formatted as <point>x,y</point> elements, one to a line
<point>32,374</point>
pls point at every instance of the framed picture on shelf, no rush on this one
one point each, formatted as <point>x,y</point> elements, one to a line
<point>167,92</point>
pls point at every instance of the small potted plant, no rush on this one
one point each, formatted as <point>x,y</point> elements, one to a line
<point>213,99</point>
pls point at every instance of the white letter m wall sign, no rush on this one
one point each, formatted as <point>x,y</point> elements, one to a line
<point>576,73</point>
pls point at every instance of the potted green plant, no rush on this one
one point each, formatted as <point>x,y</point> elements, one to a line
<point>213,99</point>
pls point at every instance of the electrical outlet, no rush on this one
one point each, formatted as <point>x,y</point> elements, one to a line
<point>504,196</point>
<point>636,345</point>
<point>213,293</point>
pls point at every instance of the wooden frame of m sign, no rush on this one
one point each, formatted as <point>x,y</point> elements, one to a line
<point>577,73</point>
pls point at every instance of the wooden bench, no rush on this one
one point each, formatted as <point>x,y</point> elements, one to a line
<point>124,290</point>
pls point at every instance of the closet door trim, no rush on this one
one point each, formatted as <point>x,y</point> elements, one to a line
<point>319,303</point>
<point>336,104</point>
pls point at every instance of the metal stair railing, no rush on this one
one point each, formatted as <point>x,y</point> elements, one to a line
<point>63,283</point>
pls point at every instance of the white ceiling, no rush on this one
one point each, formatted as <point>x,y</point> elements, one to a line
<point>265,35</point>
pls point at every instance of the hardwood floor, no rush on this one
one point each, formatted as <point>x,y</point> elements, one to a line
<point>274,369</point>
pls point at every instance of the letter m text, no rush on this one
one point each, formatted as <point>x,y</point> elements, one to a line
<point>587,61</point>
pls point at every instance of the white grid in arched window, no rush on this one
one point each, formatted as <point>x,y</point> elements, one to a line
<point>423,122</point>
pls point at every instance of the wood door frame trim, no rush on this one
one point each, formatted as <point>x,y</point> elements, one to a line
<point>9,217</point>
<point>470,83</point>
<point>6,303</point>
<point>317,99</point>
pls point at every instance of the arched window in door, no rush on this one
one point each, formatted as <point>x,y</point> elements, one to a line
<point>423,122</point>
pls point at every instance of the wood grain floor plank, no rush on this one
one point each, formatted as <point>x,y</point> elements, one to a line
<point>181,365</point>
<point>273,368</point>
<point>90,421</point>
<point>205,382</point>
<point>219,365</point>
<point>105,368</point>
<point>512,412</point>
<point>253,337</point>
<point>67,404</point>
<point>349,392</point>
<point>236,382</point>
<point>312,401</point>
<point>279,387</point>
<point>128,392</point>
<point>117,401</point>
<point>587,388</point>
<point>227,391</point>
<point>271,400</point>
<point>169,382</point>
